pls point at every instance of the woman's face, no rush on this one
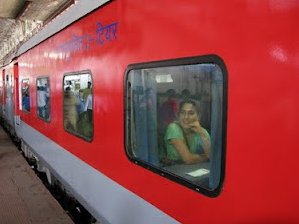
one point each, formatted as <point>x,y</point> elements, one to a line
<point>187,115</point>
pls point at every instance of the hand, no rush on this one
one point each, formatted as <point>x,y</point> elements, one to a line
<point>195,126</point>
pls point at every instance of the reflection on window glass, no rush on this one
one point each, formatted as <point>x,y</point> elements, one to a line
<point>77,105</point>
<point>25,95</point>
<point>174,121</point>
<point>43,98</point>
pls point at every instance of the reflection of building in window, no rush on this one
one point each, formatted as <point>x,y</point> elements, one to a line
<point>146,127</point>
<point>78,105</point>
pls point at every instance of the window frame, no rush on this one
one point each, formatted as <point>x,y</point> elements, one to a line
<point>92,92</point>
<point>49,119</point>
<point>213,59</point>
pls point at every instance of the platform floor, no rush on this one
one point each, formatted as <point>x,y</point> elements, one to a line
<point>23,197</point>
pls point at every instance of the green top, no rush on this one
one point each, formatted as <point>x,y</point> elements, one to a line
<point>174,131</point>
<point>86,92</point>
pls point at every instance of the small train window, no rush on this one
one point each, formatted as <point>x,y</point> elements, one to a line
<point>175,120</point>
<point>25,95</point>
<point>78,104</point>
<point>43,98</point>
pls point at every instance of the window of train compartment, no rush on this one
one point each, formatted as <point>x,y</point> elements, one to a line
<point>154,91</point>
<point>78,104</point>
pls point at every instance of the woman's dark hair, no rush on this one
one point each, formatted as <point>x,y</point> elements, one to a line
<point>190,102</point>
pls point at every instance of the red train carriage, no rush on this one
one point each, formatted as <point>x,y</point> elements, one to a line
<point>94,100</point>
<point>9,97</point>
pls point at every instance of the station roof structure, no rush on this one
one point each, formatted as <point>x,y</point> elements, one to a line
<point>21,19</point>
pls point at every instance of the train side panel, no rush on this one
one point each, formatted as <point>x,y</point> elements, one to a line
<point>259,47</point>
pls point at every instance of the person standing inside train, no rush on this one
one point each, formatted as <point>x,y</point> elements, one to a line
<point>42,97</point>
<point>186,140</point>
<point>70,114</point>
<point>87,97</point>
<point>87,91</point>
<point>88,107</point>
<point>169,109</point>
<point>26,101</point>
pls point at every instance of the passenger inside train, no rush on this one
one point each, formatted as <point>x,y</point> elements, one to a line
<point>69,110</point>
<point>188,144</point>
<point>186,141</point>
<point>169,109</point>
<point>25,95</point>
<point>43,98</point>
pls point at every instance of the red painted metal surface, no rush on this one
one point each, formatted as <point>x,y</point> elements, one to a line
<point>259,44</point>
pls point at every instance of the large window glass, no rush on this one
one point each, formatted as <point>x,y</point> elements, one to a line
<point>78,104</point>
<point>43,98</point>
<point>25,95</point>
<point>175,120</point>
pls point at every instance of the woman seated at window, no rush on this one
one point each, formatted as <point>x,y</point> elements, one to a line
<point>186,140</point>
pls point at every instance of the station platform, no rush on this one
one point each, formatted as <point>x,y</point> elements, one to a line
<point>23,197</point>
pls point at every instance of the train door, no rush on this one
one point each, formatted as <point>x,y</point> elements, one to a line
<point>16,95</point>
<point>9,100</point>
<point>4,93</point>
<point>1,94</point>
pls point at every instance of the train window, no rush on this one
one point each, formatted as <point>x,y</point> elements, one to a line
<point>25,95</point>
<point>43,98</point>
<point>175,120</point>
<point>78,104</point>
